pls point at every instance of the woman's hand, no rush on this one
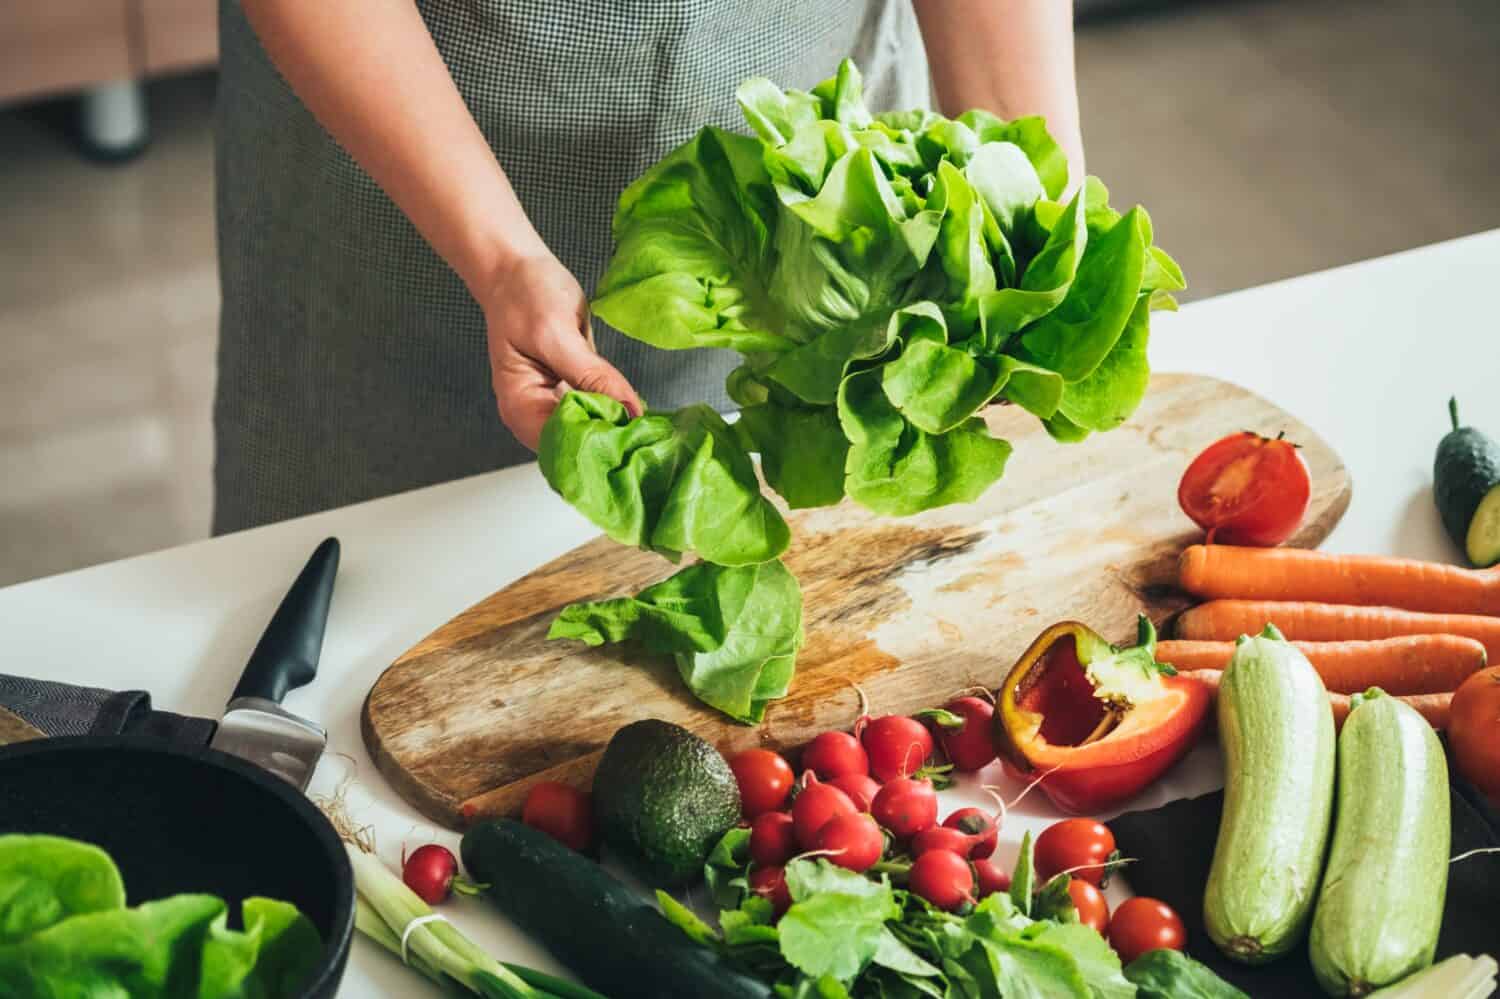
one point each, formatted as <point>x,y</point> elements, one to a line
<point>540,345</point>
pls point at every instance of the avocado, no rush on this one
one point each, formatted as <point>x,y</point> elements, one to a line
<point>662,798</point>
<point>1466,487</point>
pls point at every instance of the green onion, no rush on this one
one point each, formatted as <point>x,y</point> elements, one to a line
<point>435,948</point>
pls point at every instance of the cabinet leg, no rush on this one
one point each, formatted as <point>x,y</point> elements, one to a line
<point>112,120</point>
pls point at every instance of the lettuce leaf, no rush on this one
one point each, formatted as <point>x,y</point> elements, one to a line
<point>669,482</point>
<point>884,277</point>
<point>733,630</point>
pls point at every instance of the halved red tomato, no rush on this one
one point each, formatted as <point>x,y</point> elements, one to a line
<point>1246,490</point>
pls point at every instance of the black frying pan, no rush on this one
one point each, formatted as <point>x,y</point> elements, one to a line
<point>187,819</point>
<point>178,817</point>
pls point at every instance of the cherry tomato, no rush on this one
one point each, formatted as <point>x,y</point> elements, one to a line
<point>1078,846</point>
<point>560,811</point>
<point>765,780</point>
<point>1246,490</point>
<point>1093,910</point>
<point>1141,924</point>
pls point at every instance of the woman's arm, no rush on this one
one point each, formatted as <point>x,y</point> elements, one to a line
<point>371,74</point>
<point>1011,57</point>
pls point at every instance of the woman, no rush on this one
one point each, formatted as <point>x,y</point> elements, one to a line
<point>408,188</point>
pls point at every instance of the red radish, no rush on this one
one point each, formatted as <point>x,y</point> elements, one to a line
<point>835,754</point>
<point>942,878</point>
<point>816,804</point>
<point>432,872</point>
<point>897,745</point>
<point>770,883</point>
<point>991,876</point>
<point>773,838</point>
<point>906,806</point>
<point>970,746</point>
<point>861,789</point>
<point>979,824</point>
<point>562,812</point>
<point>765,780</point>
<point>852,841</point>
<point>942,838</point>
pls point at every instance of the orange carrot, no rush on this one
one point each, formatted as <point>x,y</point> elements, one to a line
<point>1226,620</point>
<point>1226,572</point>
<point>1433,707</point>
<point>1410,664</point>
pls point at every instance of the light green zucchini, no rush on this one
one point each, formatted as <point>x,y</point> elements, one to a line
<point>1381,903</point>
<point>1276,731</point>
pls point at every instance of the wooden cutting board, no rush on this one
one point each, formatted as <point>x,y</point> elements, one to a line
<point>911,609</point>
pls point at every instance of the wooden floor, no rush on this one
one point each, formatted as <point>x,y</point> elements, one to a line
<point>1268,138</point>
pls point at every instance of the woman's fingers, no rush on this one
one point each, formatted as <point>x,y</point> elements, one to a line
<point>572,359</point>
<point>539,343</point>
<point>527,388</point>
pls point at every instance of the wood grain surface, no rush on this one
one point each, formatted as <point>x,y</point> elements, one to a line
<point>911,609</point>
<point>14,728</point>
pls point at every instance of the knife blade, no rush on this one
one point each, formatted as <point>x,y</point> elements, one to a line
<point>255,726</point>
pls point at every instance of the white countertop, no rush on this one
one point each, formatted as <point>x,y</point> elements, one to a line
<point>1366,354</point>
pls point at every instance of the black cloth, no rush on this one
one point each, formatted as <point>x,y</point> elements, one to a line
<point>64,709</point>
<point>1173,848</point>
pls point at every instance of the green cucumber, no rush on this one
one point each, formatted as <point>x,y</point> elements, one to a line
<point>1276,731</point>
<point>607,933</point>
<point>1466,488</point>
<point>1381,905</point>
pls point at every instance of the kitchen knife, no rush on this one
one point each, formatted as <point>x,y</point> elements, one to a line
<point>255,726</point>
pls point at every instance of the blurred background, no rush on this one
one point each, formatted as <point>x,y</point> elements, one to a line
<point>1268,137</point>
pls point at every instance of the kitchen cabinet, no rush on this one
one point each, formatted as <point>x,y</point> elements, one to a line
<point>50,47</point>
<point>58,45</point>
<point>178,34</point>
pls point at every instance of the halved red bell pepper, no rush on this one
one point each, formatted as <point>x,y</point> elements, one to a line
<point>1099,721</point>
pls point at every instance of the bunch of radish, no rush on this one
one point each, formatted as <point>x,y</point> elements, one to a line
<point>867,801</point>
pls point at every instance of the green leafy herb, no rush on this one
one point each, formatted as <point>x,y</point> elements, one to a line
<point>1171,974</point>
<point>1023,878</point>
<point>724,871</point>
<point>837,920</point>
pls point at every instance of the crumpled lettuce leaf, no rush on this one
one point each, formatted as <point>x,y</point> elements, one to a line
<point>669,482</point>
<point>174,946</point>
<point>898,469</point>
<point>809,246</point>
<point>733,630</point>
<point>885,277</point>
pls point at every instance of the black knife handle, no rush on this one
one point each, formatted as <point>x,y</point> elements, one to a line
<point>286,657</point>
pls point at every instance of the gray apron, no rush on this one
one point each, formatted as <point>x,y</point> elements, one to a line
<point>352,360</point>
